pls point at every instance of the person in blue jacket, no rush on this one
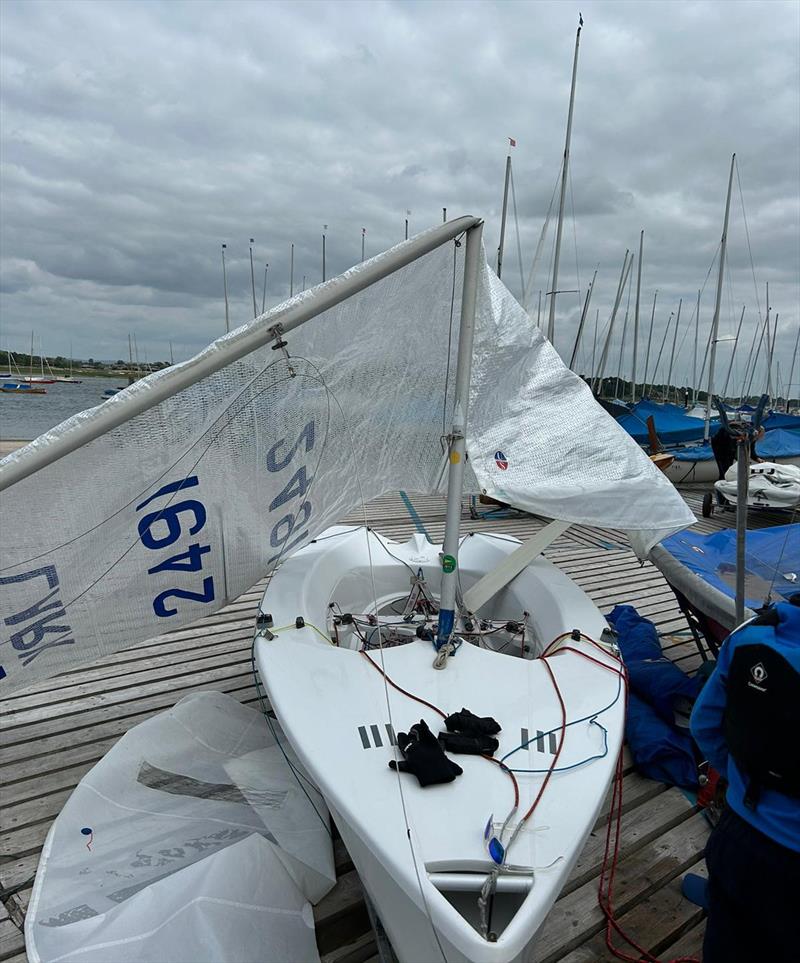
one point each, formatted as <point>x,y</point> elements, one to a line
<point>747,722</point>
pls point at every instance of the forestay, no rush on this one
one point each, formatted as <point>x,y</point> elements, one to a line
<point>232,460</point>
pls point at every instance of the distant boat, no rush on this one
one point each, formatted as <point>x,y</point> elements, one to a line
<point>21,388</point>
<point>68,379</point>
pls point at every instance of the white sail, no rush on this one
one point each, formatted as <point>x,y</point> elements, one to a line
<point>177,494</point>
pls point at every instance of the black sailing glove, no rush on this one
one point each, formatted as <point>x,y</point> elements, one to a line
<point>471,725</point>
<point>423,756</point>
<point>472,745</point>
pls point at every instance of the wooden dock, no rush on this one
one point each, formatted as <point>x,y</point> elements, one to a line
<point>53,733</point>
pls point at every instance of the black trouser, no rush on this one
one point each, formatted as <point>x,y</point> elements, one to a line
<point>754,896</point>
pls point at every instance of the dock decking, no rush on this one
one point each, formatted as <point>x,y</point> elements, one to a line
<point>54,732</point>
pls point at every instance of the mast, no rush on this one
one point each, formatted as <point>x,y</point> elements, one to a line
<point>291,272</point>
<point>715,323</point>
<point>622,340</point>
<point>551,323</point>
<point>582,321</point>
<point>324,232</point>
<point>763,327</point>
<point>594,343</point>
<point>768,349</point>
<point>456,442</point>
<point>696,339</point>
<point>772,349</point>
<point>733,355</point>
<point>672,356</point>
<point>626,264</point>
<point>636,318</point>
<point>791,371</point>
<point>253,278</point>
<point>225,287</point>
<point>747,363</point>
<point>649,342</point>
<point>505,212</point>
<point>539,312</point>
<point>661,349</point>
<point>264,292</point>
<point>171,359</point>
<point>363,241</point>
<point>30,360</point>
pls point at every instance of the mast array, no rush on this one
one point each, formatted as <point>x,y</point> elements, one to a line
<point>551,323</point>
<point>717,304</point>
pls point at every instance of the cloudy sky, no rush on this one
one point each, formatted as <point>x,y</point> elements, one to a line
<point>137,137</point>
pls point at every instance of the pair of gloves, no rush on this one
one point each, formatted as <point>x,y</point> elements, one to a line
<point>423,753</point>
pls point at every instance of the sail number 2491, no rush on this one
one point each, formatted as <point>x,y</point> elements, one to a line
<point>189,512</point>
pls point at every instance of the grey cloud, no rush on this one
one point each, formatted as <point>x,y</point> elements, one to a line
<point>139,137</point>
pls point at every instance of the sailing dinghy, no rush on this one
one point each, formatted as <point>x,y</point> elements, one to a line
<point>230,465</point>
<point>423,854</point>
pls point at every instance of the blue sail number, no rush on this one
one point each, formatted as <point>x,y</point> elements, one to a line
<point>161,528</point>
<point>284,532</point>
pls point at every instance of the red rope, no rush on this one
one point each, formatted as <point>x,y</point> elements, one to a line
<point>394,685</point>
<point>611,853</point>
<point>431,706</point>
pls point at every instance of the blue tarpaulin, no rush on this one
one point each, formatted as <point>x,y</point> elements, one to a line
<point>778,419</point>
<point>661,748</point>
<point>772,560</point>
<point>673,426</point>
<point>779,443</point>
<point>695,453</point>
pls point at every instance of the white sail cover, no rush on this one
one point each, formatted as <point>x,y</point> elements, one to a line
<point>183,507</point>
<point>190,840</point>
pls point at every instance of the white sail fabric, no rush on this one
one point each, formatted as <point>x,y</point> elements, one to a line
<point>183,507</point>
<point>538,441</point>
<point>190,840</point>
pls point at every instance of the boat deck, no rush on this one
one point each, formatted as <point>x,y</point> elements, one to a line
<point>54,733</point>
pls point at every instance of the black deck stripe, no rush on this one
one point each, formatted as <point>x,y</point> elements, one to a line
<point>540,740</point>
<point>364,737</point>
<point>553,745</point>
<point>376,735</point>
<point>390,734</point>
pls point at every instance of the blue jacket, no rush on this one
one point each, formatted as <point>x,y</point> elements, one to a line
<point>777,815</point>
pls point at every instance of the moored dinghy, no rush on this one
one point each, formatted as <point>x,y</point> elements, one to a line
<point>260,443</point>
<point>421,852</point>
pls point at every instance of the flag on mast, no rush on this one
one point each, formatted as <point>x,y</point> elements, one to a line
<point>512,142</point>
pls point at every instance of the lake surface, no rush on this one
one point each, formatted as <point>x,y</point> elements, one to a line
<point>25,417</point>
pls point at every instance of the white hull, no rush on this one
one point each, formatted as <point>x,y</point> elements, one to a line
<point>771,485</point>
<point>420,852</point>
<point>690,472</point>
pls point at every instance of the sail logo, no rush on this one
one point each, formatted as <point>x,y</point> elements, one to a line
<point>500,460</point>
<point>35,625</point>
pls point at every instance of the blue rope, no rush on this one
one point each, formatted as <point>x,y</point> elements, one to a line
<point>418,523</point>
<point>591,718</point>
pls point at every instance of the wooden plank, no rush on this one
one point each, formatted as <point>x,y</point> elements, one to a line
<point>576,917</point>
<point>656,923</point>
<point>639,827</point>
<point>11,939</point>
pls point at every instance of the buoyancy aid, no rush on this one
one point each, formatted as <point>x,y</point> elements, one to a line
<point>762,714</point>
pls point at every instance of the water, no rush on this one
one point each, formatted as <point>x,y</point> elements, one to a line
<point>24,417</point>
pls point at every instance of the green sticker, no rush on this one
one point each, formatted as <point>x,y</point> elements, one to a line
<point>448,564</point>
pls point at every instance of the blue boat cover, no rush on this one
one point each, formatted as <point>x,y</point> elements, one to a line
<point>694,453</point>
<point>779,443</point>
<point>777,419</point>
<point>661,748</point>
<point>772,559</point>
<point>673,425</point>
